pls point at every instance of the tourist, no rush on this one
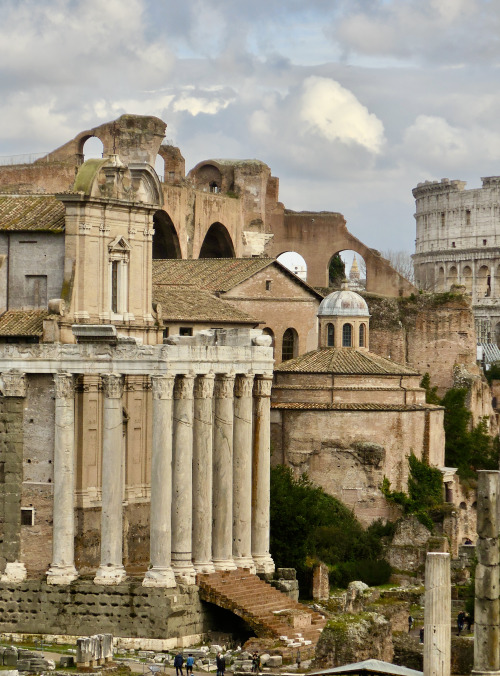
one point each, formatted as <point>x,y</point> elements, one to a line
<point>221,664</point>
<point>189,664</point>
<point>460,621</point>
<point>178,662</point>
<point>421,633</point>
<point>410,623</point>
<point>255,662</point>
<point>468,621</point>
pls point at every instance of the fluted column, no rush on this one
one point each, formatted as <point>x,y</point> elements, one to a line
<point>202,474</point>
<point>486,606</point>
<point>437,627</point>
<point>242,472</point>
<point>261,474</point>
<point>111,570</point>
<point>222,533</point>
<point>160,573</point>
<point>62,569</point>
<point>182,480</point>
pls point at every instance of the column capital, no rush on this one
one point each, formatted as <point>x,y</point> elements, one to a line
<point>204,386</point>
<point>243,385</point>
<point>262,385</point>
<point>163,386</point>
<point>64,385</point>
<point>113,385</point>
<point>224,386</point>
<point>13,384</point>
<point>183,388</point>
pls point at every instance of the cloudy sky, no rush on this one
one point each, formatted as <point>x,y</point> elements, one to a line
<point>350,102</point>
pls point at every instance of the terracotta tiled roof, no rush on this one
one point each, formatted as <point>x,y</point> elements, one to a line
<point>31,212</point>
<point>216,274</point>
<point>343,361</point>
<point>186,303</point>
<point>311,406</point>
<point>213,274</point>
<point>22,322</point>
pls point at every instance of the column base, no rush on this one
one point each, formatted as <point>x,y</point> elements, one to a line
<point>14,572</point>
<point>159,577</point>
<point>224,564</point>
<point>263,563</point>
<point>245,562</point>
<point>61,574</point>
<point>110,574</point>
<point>184,573</point>
<point>204,568</point>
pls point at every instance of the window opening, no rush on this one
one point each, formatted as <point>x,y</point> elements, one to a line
<point>27,516</point>
<point>347,335</point>
<point>330,335</point>
<point>362,335</point>
<point>186,331</point>
<point>288,345</point>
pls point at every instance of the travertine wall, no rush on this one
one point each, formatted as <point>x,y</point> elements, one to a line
<point>348,453</point>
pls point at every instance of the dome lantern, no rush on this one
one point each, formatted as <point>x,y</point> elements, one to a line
<point>343,319</point>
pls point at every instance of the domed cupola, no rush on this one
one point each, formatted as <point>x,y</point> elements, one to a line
<point>343,320</point>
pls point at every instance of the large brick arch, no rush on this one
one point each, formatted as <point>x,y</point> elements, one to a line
<point>217,243</point>
<point>317,236</point>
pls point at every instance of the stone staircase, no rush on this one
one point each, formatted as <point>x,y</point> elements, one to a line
<point>270,613</point>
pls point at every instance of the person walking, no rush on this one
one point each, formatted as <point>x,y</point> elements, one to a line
<point>189,664</point>
<point>178,662</point>
<point>410,623</point>
<point>255,663</point>
<point>221,664</point>
<point>460,621</point>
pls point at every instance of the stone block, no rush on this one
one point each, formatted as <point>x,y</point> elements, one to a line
<point>66,661</point>
<point>10,657</point>
<point>286,574</point>
<point>275,661</point>
<point>321,582</point>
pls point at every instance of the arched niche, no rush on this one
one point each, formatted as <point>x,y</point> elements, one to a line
<point>91,147</point>
<point>294,262</point>
<point>452,276</point>
<point>483,283</point>
<point>217,243</point>
<point>209,178</point>
<point>165,240</point>
<point>289,344</point>
<point>347,264</point>
<point>467,278</point>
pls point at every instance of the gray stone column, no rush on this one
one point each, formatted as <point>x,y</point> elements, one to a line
<point>437,613</point>
<point>261,463</point>
<point>222,532</point>
<point>111,570</point>
<point>62,569</point>
<point>242,472</point>
<point>202,474</point>
<point>486,611</point>
<point>13,387</point>
<point>160,573</point>
<point>182,480</point>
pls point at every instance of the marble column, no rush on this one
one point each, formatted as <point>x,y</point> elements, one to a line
<point>486,606</point>
<point>242,472</point>
<point>182,481</point>
<point>160,573</point>
<point>437,613</point>
<point>222,531</point>
<point>62,569</point>
<point>261,474</point>
<point>13,386</point>
<point>111,570</point>
<point>202,474</point>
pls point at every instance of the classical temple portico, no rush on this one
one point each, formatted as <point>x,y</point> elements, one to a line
<point>209,451</point>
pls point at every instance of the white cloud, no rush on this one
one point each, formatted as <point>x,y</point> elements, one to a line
<point>336,114</point>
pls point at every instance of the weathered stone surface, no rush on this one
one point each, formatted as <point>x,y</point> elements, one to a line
<point>321,582</point>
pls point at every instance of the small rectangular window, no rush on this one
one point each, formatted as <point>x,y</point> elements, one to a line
<point>484,242</point>
<point>186,331</point>
<point>467,217</point>
<point>453,245</point>
<point>114,287</point>
<point>27,516</point>
<point>268,285</point>
<point>165,333</point>
<point>443,216</point>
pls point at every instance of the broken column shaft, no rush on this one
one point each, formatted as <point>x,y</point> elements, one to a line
<point>486,608</point>
<point>437,629</point>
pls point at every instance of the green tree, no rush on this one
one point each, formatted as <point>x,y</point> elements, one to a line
<point>431,396</point>
<point>336,271</point>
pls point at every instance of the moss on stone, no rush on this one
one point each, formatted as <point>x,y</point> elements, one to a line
<point>86,175</point>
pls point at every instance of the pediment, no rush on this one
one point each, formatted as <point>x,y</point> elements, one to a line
<point>119,244</point>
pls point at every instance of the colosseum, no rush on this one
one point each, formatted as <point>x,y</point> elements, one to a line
<point>457,243</point>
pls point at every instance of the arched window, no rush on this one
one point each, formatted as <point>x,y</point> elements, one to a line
<point>330,335</point>
<point>347,335</point>
<point>362,335</point>
<point>289,345</point>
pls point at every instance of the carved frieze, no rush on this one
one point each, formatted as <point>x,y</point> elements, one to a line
<point>13,384</point>
<point>163,386</point>
<point>64,386</point>
<point>204,386</point>
<point>224,386</point>
<point>112,385</point>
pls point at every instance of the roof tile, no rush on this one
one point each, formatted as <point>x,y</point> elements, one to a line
<point>343,361</point>
<point>31,212</point>
<point>185,303</point>
<point>22,322</point>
